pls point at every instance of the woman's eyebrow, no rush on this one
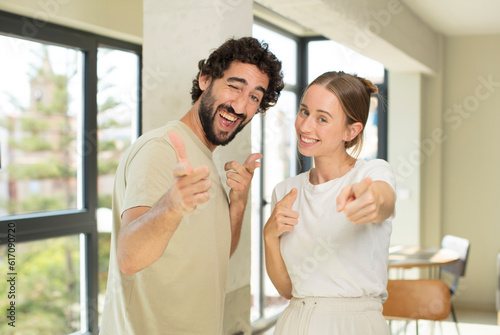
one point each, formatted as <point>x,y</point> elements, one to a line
<point>318,110</point>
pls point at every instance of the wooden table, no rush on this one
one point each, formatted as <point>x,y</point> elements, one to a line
<point>406,257</point>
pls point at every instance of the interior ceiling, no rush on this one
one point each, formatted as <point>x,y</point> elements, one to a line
<point>458,17</point>
<point>448,17</point>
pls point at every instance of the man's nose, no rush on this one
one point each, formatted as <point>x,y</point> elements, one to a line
<point>240,104</point>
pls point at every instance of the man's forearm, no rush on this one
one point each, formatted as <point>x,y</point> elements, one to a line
<point>142,240</point>
<point>236,212</point>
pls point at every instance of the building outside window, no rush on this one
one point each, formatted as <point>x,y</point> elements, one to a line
<point>62,133</point>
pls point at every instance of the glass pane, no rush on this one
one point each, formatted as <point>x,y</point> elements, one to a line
<point>118,113</point>
<point>370,139</point>
<point>275,131</point>
<point>283,47</point>
<point>256,233</point>
<point>278,164</point>
<point>40,127</point>
<point>45,287</point>
<point>331,56</point>
<point>327,55</point>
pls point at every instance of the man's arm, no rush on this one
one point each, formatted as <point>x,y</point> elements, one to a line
<point>146,231</point>
<point>239,178</point>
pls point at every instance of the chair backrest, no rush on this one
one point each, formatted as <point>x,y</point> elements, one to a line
<point>420,299</point>
<point>460,245</point>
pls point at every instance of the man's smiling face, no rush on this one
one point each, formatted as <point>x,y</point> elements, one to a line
<point>228,104</point>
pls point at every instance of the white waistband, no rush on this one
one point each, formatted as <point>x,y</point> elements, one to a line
<point>337,304</point>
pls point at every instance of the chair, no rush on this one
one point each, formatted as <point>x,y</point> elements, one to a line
<point>456,269</point>
<point>419,299</point>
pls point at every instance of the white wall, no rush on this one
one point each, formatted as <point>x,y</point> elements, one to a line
<point>471,160</point>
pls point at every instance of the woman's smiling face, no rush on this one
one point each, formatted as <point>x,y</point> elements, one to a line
<point>321,124</point>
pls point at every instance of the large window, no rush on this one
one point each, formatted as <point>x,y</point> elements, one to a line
<point>303,58</point>
<point>274,136</point>
<point>69,106</point>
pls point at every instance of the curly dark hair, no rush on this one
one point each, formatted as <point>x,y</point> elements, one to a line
<point>246,50</point>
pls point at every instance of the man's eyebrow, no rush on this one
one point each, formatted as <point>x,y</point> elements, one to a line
<point>244,82</point>
<point>318,110</point>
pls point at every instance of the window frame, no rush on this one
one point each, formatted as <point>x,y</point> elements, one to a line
<point>40,226</point>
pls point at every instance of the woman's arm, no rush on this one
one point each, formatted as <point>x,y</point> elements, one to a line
<point>281,220</point>
<point>367,201</point>
<point>276,268</point>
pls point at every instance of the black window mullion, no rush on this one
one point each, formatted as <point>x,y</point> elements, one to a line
<point>31,228</point>
<point>382,119</point>
<point>90,183</point>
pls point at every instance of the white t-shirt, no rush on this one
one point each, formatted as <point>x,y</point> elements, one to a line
<point>326,255</point>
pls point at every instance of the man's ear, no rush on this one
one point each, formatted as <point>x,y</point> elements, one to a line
<point>204,81</point>
<point>353,130</point>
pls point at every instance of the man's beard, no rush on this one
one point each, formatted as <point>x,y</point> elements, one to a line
<point>207,119</point>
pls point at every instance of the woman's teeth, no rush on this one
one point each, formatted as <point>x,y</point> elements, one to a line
<point>228,116</point>
<point>308,140</point>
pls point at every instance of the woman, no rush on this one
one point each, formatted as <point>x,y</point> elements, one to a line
<point>327,239</point>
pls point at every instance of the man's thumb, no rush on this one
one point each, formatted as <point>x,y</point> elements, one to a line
<point>289,199</point>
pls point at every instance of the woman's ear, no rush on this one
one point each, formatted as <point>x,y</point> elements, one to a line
<point>204,81</point>
<point>353,130</point>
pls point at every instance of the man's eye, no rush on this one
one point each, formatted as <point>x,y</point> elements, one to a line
<point>255,98</point>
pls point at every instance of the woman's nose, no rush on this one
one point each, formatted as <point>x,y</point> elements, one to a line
<point>305,125</point>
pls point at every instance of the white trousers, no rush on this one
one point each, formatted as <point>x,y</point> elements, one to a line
<point>332,316</point>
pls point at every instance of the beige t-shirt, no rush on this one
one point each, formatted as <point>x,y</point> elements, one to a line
<point>182,292</point>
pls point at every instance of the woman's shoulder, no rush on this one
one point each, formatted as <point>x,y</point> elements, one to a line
<point>377,169</point>
<point>378,164</point>
<point>292,182</point>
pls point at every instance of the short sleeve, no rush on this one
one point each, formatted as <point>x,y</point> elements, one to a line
<point>379,169</point>
<point>273,199</point>
<point>149,174</point>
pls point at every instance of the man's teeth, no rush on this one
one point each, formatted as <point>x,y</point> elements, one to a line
<point>308,140</point>
<point>228,116</point>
